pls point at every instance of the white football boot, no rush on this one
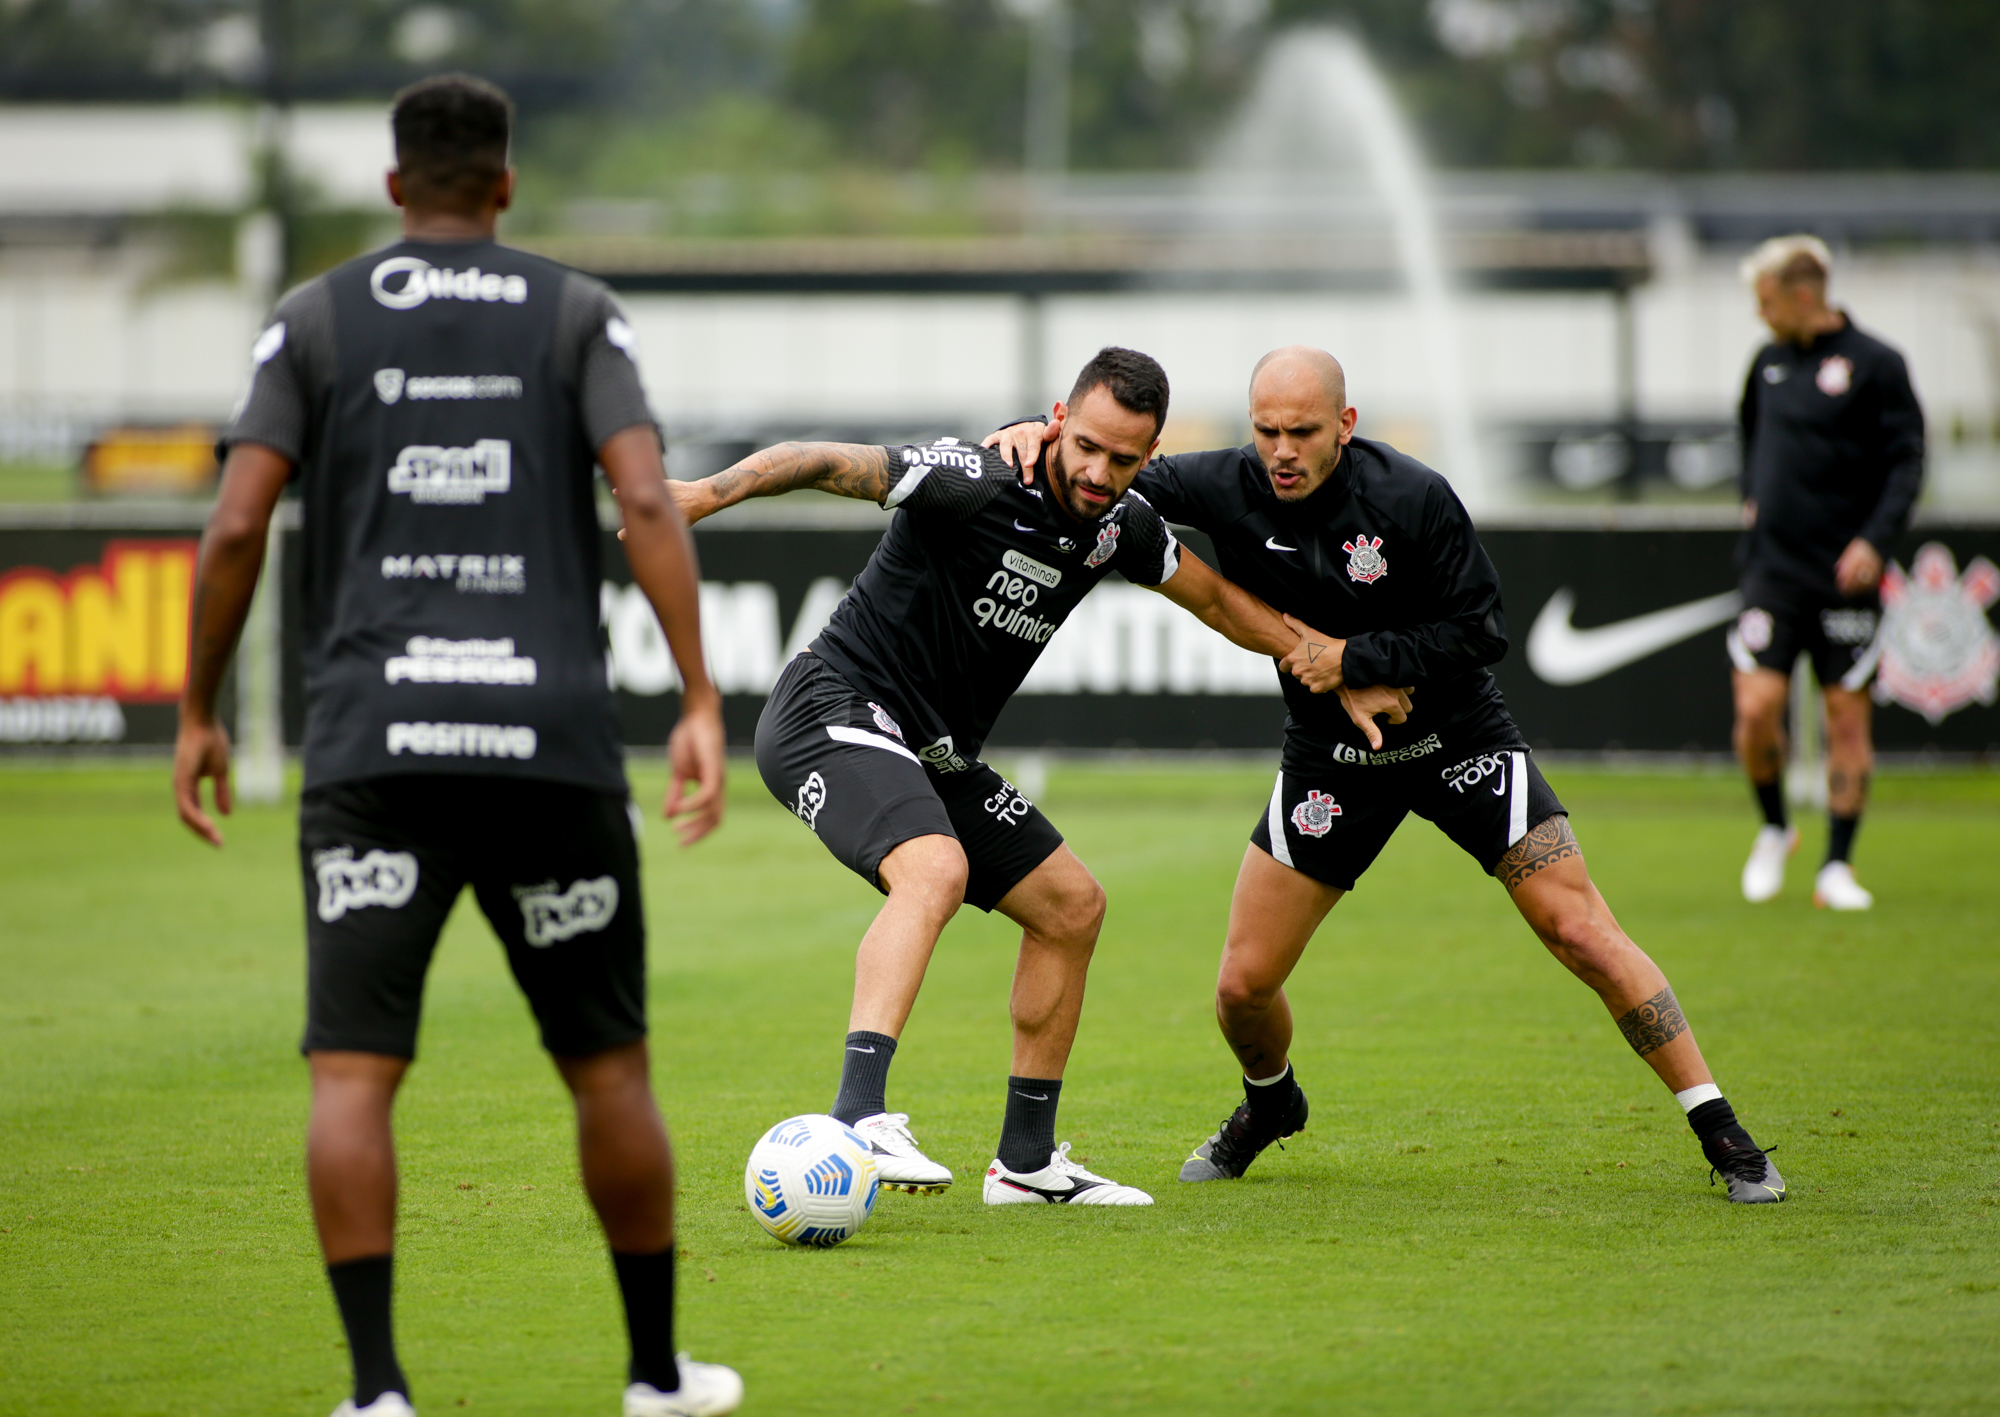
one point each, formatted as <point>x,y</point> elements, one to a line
<point>389,1404</point>
<point>898,1163</point>
<point>1061,1182</point>
<point>706,1389</point>
<point>1764,872</point>
<point>1836,889</point>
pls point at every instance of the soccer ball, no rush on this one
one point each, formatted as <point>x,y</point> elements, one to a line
<point>811,1181</point>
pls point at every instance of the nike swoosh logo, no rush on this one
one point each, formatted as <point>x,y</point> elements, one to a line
<point>852,1049</point>
<point>1034,1096</point>
<point>1031,530</point>
<point>1272,543</point>
<point>1057,1196</point>
<point>1559,653</point>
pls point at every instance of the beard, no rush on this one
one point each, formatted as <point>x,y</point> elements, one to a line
<point>1315,477</point>
<point>1059,485</point>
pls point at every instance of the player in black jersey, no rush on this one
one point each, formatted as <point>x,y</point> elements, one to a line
<point>442,403</point>
<point>872,735</point>
<point>1833,458</point>
<point>1347,533</point>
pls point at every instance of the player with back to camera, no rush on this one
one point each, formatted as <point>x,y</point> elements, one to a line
<point>1347,532</point>
<point>872,734</point>
<point>442,402</point>
<point>1833,458</point>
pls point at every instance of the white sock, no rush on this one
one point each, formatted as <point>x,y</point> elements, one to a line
<point>1693,1097</point>
<point>1266,1082</point>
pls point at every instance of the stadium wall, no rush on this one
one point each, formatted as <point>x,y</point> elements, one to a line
<point>1616,622</point>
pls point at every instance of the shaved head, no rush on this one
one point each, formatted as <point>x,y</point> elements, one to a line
<point>1301,362</point>
<point>1299,418</point>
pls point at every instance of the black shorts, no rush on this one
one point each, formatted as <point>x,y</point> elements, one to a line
<point>556,871</point>
<point>838,760</point>
<point>1330,816</point>
<point>1777,625</point>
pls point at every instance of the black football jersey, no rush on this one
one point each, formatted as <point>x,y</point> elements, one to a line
<point>1833,449</point>
<point>1383,556</point>
<point>975,574</point>
<point>442,403</point>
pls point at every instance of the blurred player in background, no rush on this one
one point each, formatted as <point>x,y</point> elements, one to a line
<point>1833,458</point>
<point>1348,532</point>
<point>872,734</point>
<point>442,403</point>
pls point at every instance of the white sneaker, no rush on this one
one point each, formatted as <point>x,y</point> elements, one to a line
<point>1836,889</point>
<point>897,1161</point>
<point>706,1388</point>
<point>1764,872</point>
<point>1061,1182</point>
<point>389,1404</point>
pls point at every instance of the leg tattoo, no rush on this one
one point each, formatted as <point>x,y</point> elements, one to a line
<point>1545,844</point>
<point>1653,1024</point>
<point>1249,1054</point>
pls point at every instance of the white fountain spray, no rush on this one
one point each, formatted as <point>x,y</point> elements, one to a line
<point>1320,98</point>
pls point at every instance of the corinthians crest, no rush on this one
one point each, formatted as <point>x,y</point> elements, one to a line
<point>1364,559</point>
<point>1314,816</point>
<point>1107,542</point>
<point>1939,651</point>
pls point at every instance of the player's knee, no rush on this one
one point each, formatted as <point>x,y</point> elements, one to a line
<point>1240,991</point>
<point>1079,913</point>
<point>1588,942</point>
<point>932,868</point>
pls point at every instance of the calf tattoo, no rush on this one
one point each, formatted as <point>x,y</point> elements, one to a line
<point>1654,1024</point>
<point>1545,844</point>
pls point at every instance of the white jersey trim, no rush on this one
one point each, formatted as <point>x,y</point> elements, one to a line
<point>870,740</point>
<point>1281,851</point>
<point>1517,801</point>
<point>902,490</point>
<point>1170,561</point>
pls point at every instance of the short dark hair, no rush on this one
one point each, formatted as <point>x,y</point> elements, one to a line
<point>1136,380</point>
<point>452,132</point>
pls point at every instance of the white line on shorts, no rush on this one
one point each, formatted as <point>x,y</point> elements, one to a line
<point>870,740</point>
<point>1281,852</point>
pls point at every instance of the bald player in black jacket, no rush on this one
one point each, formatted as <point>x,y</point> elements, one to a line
<point>1352,536</point>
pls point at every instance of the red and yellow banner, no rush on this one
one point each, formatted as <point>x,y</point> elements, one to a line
<point>117,629</point>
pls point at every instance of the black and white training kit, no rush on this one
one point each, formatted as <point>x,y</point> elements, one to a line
<point>443,402</point>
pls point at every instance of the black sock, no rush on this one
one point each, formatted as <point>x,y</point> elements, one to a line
<point>864,1077</point>
<point>1840,836</point>
<point>1712,1118</point>
<point>362,1289</point>
<point>1028,1132</point>
<point>1714,1121</point>
<point>1269,1099</point>
<point>647,1282</point>
<point>1771,797</point>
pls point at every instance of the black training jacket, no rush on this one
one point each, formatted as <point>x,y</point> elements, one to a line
<point>1833,448</point>
<point>1382,556</point>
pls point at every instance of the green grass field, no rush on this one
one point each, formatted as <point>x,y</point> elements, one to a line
<point>1495,1209</point>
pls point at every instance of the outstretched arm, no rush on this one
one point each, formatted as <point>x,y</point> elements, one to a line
<point>844,469</point>
<point>1241,617</point>
<point>232,554</point>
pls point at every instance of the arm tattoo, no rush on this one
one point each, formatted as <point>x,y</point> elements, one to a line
<point>1545,844</point>
<point>844,469</point>
<point>1655,1023</point>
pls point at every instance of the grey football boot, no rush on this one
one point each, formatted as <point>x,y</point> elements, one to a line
<point>1747,1169</point>
<point>1241,1139</point>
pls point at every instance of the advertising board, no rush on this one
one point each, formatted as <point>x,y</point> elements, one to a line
<point>1616,641</point>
